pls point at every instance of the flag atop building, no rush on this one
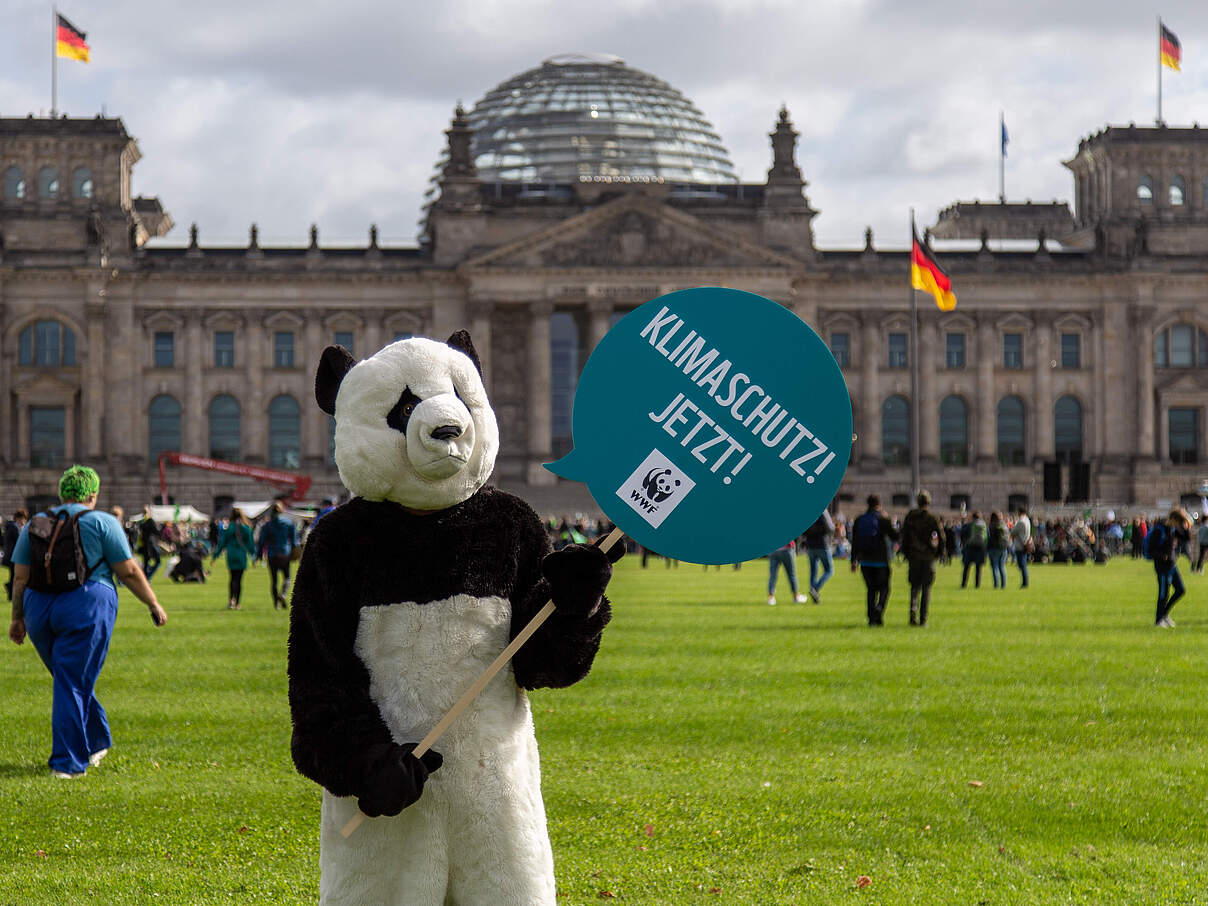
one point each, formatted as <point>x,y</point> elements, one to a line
<point>69,41</point>
<point>928,276</point>
<point>1171,49</point>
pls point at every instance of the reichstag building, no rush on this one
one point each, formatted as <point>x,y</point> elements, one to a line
<point>1073,369</point>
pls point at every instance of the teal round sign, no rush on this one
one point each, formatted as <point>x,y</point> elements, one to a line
<point>711,425</point>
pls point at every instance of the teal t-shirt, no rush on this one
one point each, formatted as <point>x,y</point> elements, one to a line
<point>101,536</point>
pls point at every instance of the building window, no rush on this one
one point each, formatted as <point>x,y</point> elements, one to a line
<point>840,347</point>
<point>954,350</point>
<point>47,437</point>
<point>898,357</point>
<point>344,338</point>
<point>1184,427</point>
<point>1012,447</point>
<point>81,183</point>
<point>14,183</point>
<point>48,183</point>
<point>46,344</point>
<point>1204,193</point>
<point>163,426</point>
<point>564,374</point>
<point>284,432</point>
<point>224,349</point>
<point>895,431</point>
<point>165,349</point>
<point>1067,429</point>
<point>1071,350</point>
<point>283,349</point>
<point>1145,189</point>
<point>1181,346</point>
<point>224,428</point>
<point>954,432</point>
<point>1178,191</point>
<point>1012,351</point>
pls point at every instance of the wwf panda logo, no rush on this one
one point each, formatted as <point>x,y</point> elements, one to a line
<point>658,485</point>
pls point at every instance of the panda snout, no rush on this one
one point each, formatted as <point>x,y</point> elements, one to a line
<point>446,432</point>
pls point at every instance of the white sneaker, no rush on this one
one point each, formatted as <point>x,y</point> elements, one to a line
<point>800,599</point>
<point>772,600</point>
<point>1168,622</point>
<point>96,757</point>
<point>64,775</point>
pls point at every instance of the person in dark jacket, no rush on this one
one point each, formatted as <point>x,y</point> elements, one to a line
<point>148,543</point>
<point>818,549</point>
<point>12,531</point>
<point>237,541</point>
<point>922,544</point>
<point>872,535</point>
<point>1163,545</point>
<point>278,538</point>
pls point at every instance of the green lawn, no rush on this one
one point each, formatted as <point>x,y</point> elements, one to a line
<point>1038,746</point>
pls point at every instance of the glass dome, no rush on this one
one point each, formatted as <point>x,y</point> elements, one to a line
<point>591,118</point>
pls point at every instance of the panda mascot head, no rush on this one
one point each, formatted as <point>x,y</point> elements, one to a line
<point>413,424</point>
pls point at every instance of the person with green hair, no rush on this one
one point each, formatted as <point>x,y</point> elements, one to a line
<point>71,630</point>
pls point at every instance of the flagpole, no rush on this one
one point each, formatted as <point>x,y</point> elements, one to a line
<point>54,60</point>
<point>1002,160</point>
<point>1159,120</point>
<point>915,406</point>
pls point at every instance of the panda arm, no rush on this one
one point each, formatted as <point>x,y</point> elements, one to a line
<point>335,722</point>
<point>561,652</point>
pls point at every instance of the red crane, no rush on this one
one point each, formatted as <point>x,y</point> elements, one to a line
<point>297,485</point>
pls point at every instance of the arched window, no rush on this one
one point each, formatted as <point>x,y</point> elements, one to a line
<point>46,344</point>
<point>1012,446</point>
<point>895,431</point>
<point>14,183</point>
<point>1181,346</point>
<point>954,432</point>
<point>81,183</point>
<point>1067,429</point>
<point>48,183</point>
<point>1178,191</point>
<point>163,426</point>
<point>1145,189</point>
<point>284,432</point>
<point>224,428</point>
<point>564,375</point>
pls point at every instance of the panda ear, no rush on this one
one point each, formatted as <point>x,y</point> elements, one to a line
<point>334,364</point>
<point>462,343</point>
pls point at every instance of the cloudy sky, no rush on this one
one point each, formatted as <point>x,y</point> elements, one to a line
<point>333,113</point>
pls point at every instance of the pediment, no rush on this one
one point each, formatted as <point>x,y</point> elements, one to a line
<point>1182,381</point>
<point>44,387</point>
<point>633,231</point>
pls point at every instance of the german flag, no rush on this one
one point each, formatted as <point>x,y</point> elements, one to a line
<point>928,276</point>
<point>69,42</point>
<point>1171,49</point>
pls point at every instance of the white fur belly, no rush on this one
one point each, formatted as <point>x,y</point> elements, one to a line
<point>421,658</point>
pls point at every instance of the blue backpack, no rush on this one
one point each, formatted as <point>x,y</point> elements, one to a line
<point>866,543</point>
<point>1154,541</point>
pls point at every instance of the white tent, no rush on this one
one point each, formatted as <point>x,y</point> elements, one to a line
<point>173,513</point>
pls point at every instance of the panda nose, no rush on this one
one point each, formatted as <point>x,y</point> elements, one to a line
<point>446,432</point>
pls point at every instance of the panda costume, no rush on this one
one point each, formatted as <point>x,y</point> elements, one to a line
<point>403,597</point>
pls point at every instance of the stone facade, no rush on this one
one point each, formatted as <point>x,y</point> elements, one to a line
<point>113,348</point>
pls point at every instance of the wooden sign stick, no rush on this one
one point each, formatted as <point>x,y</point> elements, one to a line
<point>481,683</point>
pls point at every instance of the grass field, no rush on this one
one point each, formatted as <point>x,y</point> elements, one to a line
<point>1038,746</point>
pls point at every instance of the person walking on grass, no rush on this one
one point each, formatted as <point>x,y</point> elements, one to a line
<point>818,549</point>
<point>974,554</point>
<point>997,544</point>
<point>872,537</point>
<point>236,540</point>
<point>278,538</point>
<point>1021,543</point>
<point>785,556</point>
<point>1162,546</point>
<point>1201,537</point>
<point>922,545</point>
<point>71,630</point>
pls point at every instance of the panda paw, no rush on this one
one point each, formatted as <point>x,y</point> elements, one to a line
<point>577,576</point>
<point>394,777</point>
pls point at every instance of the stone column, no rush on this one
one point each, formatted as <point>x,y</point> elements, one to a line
<point>986,418</point>
<point>95,402</point>
<point>374,336</point>
<point>805,305</point>
<point>1142,341</point>
<point>540,440</point>
<point>123,343</point>
<point>195,430</point>
<point>599,312</point>
<point>255,420</point>
<point>315,422</point>
<point>926,408</point>
<point>479,313</point>
<point>1111,376</point>
<point>872,457</point>
<point>1042,402</point>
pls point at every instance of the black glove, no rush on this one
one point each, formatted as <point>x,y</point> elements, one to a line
<point>577,576</point>
<point>394,778</point>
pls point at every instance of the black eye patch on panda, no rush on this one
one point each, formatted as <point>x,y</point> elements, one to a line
<point>398,417</point>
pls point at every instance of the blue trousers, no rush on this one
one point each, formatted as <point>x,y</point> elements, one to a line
<point>789,561</point>
<point>820,562</point>
<point>71,632</point>
<point>1169,581</point>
